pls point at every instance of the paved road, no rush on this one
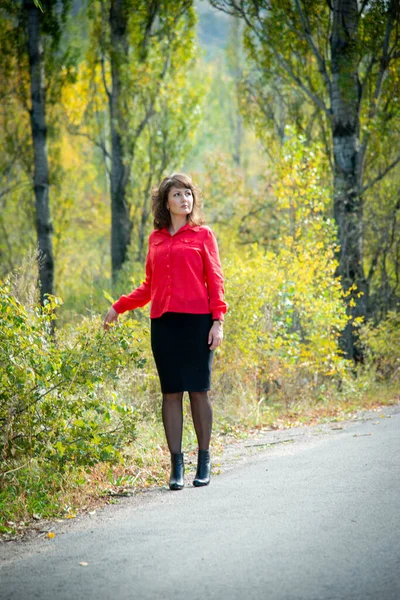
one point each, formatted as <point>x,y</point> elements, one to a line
<point>317,519</point>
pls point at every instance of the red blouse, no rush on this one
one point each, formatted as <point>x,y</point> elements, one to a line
<point>183,274</point>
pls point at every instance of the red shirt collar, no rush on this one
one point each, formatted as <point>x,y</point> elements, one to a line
<point>184,228</point>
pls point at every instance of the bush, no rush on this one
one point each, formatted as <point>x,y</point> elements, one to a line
<point>382,346</point>
<point>57,391</point>
<point>287,308</point>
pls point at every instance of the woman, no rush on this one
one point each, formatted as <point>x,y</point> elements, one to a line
<point>185,285</point>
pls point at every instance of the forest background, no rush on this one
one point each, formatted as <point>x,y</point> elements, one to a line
<point>287,117</point>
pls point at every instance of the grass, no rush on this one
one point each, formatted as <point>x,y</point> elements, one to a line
<point>34,492</point>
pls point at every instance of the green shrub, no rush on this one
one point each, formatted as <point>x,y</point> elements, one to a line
<point>57,392</point>
<point>382,346</point>
<point>286,307</point>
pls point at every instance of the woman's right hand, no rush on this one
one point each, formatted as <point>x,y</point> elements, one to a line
<point>110,317</point>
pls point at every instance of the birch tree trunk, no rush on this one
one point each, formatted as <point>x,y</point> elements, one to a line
<point>348,205</point>
<point>39,134</point>
<point>121,225</point>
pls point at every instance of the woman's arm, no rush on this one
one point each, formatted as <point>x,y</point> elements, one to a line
<point>139,297</point>
<point>214,277</point>
<point>215,285</point>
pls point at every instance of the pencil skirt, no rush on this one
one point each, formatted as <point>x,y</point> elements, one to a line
<point>179,342</point>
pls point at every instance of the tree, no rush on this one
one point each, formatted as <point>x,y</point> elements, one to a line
<point>138,45</point>
<point>41,181</point>
<point>344,59</point>
<point>30,72</point>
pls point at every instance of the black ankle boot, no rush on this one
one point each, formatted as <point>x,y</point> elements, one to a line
<point>177,472</point>
<point>203,469</point>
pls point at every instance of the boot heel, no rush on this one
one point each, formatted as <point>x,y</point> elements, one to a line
<point>176,481</point>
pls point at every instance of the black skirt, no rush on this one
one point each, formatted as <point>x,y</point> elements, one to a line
<point>179,342</point>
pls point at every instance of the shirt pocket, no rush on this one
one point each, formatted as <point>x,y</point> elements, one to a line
<point>192,244</point>
<point>157,249</point>
<point>157,245</point>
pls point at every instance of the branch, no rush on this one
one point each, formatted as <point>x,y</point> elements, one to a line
<point>159,33</point>
<point>221,7</point>
<point>384,62</point>
<point>307,34</point>
<point>363,5</point>
<point>150,112</point>
<point>99,144</point>
<point>374,264</point>
<point>16,469</point>
<point>328,146</point>
<point>151,15</point>
<point>364,83</point>
<point>237,9</point>
<point>313,97</point>
<point>380,176</point>
<point>102,143</point>
<point>263,36</point>
<point>103,74</point>
<point>385,59</point>
<point>265,105</point>
<point>13,187</point>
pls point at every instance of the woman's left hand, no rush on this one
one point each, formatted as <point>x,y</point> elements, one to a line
<point>216,335</point>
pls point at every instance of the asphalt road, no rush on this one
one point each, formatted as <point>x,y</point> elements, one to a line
<point>315,519</point>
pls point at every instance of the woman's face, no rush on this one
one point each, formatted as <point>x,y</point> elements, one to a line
<point>180,201</point>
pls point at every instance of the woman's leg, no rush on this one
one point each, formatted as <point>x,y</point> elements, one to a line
<point>172,417</point>
<point>201,408</point>
<point>202,418</point>
<point>173,421</point>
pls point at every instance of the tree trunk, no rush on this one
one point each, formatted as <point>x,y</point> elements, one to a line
<point>121,225</point>
<point>348,205</point>
<point>39,134</point>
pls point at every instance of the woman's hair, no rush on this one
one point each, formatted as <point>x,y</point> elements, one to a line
<point>159,197</point>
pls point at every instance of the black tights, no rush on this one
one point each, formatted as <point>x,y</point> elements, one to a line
<point>172,416</point>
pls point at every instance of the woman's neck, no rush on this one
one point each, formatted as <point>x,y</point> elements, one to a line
<point>176,223</point>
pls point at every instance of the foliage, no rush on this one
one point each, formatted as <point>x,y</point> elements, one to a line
<point>289,65</point>
<point>57,398</point>
<point>65,399</point>
<point>382,345</point>
<point>151,86</point>
<point>286,305</point>
<point>382,247</point>
<point>298,74</point>
<point>17,161</point>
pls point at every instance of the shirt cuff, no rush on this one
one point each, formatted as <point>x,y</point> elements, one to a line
<point>119,307</point>
<point>218,315</point>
